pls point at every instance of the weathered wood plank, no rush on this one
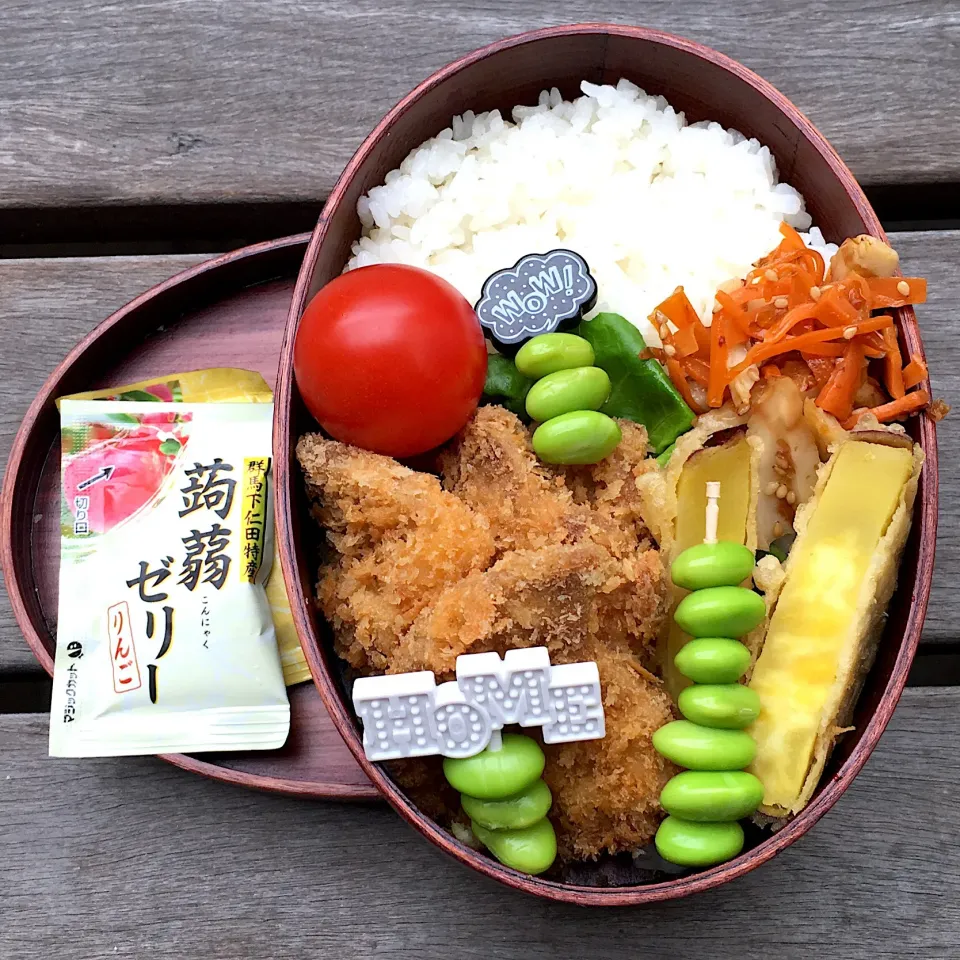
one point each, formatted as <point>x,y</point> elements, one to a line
<point>131,858</point>
<point>189,101</point>
<point>49,304</point>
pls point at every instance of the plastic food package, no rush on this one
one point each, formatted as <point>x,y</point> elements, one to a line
<point>223,385</point>
<point>165,640</point>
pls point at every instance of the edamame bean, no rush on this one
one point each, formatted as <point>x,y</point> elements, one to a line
<point>583,436</point>
<point>713,796</point>
<point>704,748</point>
<point>726,705</point>
<point>691,844</point>
<point>723,564</point>
<point>550,352</point>
<point>713,660</point>
<point>529,849</point>
<point>497,774</point>
<point>582,388</point>
<point>522,810</point>
<point>719,611</point>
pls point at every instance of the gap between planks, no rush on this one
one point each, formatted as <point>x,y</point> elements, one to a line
<point>74,231</point>
<point>934,666</point>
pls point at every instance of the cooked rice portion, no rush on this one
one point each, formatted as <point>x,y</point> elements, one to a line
<point>617,175</point>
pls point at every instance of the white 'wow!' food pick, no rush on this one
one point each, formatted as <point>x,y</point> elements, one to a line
<point>409,715</point>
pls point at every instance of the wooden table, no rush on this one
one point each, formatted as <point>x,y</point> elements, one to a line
<point>137,138</point>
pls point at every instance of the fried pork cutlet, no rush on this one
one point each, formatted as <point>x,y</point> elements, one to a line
<point>631,613</point>
<point>615,489</point>
<point>492,468</point>
<point>606,792</point>
<point>562,597</point>
<point>530,598</point>
<point>399,540</point>
<point>572,569</point>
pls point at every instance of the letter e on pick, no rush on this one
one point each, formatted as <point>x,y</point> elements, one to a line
<point>575,704</point>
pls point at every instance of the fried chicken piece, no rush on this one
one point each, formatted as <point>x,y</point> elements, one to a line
<point>611,490</point>
<point>606,792</point>
<point>399,538</point>
<point>492,468</point>
<point>632,612</point>
<point>548,597</point>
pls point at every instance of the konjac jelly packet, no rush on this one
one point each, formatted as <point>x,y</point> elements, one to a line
<point>165,641</point>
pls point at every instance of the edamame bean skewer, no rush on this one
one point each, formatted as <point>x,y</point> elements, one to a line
<point>706,800</point>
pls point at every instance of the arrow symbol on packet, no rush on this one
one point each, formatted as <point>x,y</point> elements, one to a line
<point>104,473</point>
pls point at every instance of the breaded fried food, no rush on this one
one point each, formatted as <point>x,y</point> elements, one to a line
<point>510,553</point>
<point>631,614</point>
<point>606,792</point>
<point>399,540</point>
<point>492,468</point>
<point>612,491</point>
<point>546,597</point>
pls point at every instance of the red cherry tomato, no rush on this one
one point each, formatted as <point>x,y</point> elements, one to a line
<point>390,358</point>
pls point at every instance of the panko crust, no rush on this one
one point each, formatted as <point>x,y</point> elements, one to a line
<point>492,468</point>
<point>398,538</point>
<point>508,553</point>
<point>606,793</point>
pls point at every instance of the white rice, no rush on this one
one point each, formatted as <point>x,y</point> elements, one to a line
<point>650,201</point>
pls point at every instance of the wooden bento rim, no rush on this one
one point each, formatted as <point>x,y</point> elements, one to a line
<point>287,475</point>
<point>15,480</point>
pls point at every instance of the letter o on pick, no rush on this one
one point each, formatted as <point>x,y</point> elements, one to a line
<point>463,729</point>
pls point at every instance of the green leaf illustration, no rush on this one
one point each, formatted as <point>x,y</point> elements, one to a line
<point>139,395</point>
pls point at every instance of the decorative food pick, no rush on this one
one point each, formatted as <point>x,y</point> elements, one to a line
<point>540,293</point>
<point>409,715</point>
<point>498,776</point>
<point>705,802</point>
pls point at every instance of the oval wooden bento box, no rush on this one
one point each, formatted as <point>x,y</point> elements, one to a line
<point>705,85</point>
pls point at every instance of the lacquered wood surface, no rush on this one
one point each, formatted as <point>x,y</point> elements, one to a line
<point>704,84</point>
<point>230,312</point>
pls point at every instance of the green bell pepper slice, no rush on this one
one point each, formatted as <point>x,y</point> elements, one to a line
<point>640,389</point>
<point>506,385</point>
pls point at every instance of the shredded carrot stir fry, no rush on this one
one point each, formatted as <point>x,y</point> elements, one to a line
<point>915,371</point>
<point>786,315</point>
<point>893,410</point>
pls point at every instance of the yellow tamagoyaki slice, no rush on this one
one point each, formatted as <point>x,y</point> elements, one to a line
<point>827,620</point>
